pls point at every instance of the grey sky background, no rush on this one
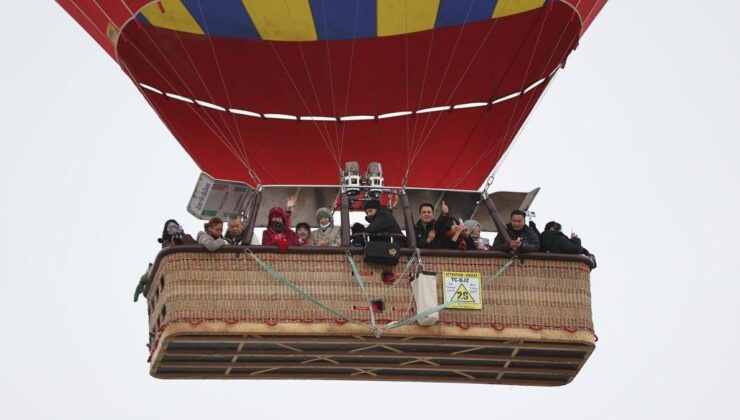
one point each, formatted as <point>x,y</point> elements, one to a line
<point>635,146</point>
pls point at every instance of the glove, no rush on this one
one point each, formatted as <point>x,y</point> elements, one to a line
<point>283,244</point>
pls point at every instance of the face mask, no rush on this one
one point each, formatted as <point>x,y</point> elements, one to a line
<point>172,230</point>
<point>276,226</point>
<point>324,226</point>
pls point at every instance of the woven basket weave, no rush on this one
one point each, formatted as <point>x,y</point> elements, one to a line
<point>227,287</point>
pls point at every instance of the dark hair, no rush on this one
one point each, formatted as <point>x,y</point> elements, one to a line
<point>518,212</point>
<point>422,205</point>
<point>358,228</point>
<point>553,224</point>
<point>303,225</point>
<point>166,236</point>
<point>451,222</point>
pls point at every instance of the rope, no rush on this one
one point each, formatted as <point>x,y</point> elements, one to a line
<point>271,271</point>
<point>243,149</point>
<point>503,155</point>
<point>377,331</point>
<point>358,277</point>
<point>446,304</point>
<point>410,262</point>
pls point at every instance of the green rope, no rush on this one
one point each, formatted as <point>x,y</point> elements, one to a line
<point>358,277</point>
<point>403,273</point>
<point>356,272</point>
<point>446,304</point>
<point>297,289</point>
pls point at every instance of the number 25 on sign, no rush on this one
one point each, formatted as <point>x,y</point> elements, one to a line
<point>463,289</point>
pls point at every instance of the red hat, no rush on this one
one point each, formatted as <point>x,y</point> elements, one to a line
<point>276,212</point>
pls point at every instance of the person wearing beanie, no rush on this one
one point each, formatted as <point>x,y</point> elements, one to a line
<point>381,221</point>
<point>212,238</point>
<point>474,234</point>
<point>327,234</point>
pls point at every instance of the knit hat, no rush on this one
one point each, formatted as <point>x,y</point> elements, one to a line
<point>372,204</point>
<point>323,212</point>
<point>471,224</point>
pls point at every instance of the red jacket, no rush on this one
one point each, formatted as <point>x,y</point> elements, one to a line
<point>286,238</point>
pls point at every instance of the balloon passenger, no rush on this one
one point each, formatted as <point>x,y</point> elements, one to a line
<point>327,234</point>
<point>429,231</point>
<point>381,221</point>
<point>523,239</point>
<point>455,236</point>
<point>278,231</point>
<point>236,234</point>
<point>172,235</point>
<point>211,239</point>
<point>303,230</point>
<point>474,233</point>
<point>358,237</point>
<point>554,240</point>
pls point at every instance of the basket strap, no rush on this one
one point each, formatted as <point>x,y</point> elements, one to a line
<point>446,304</point>
<point>358,277</point>
<point>271,271</point>
<point>410,262</point>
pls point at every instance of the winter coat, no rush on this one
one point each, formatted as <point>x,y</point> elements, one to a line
<point>422,232</point>
<point>384,222</point>
<point>209,243</point>
<point>236,240</point>
<point>332,235</point>
<point>284,239</point>
<point>557,242</point>
<point>270,237</point>
<point>530,241</point>
<point>463,243</point>
<point>185,239</point>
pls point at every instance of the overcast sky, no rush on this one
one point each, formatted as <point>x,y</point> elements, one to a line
<point>635,145</point>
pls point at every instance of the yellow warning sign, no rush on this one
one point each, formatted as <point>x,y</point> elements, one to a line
<point>463,289</point>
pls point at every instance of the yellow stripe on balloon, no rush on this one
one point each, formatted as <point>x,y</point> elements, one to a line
<point>282,20</point>
<point>512,7</point>
<point>176,17</point>
<point>404,16</point>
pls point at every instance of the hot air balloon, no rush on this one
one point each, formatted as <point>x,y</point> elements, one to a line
<point>270,98</point>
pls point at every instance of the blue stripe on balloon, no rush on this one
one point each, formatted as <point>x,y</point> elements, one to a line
<point>458,12</point>
<point>227,18</point>
<point>344,19</point>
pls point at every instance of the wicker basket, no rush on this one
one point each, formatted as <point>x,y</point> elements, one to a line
<point>221,315</point>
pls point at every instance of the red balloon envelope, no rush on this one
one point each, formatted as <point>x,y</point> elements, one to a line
<point>284,93</point>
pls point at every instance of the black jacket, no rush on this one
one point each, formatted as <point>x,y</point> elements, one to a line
<point>422,232</point>
<point>448,243</point>
<point>551,241</point>
<point>530,241</point>
<point>238,240</point>
<point>384,222</point>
